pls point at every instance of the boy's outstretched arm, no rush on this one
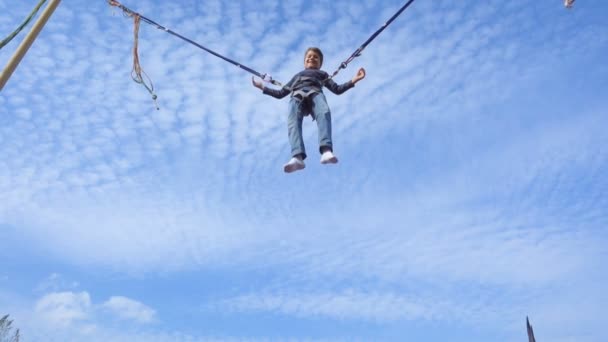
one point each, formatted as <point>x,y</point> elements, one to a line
<point>341,88</point>
<point>359,76</point>
<point>278,93</point>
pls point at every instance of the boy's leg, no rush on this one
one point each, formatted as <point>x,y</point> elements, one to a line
<point>322,115</point>
<point>294,128</point>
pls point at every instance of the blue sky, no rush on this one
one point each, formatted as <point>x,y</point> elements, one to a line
<point>471,190</point>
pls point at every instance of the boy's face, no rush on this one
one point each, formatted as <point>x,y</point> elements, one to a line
<point>312,60</point>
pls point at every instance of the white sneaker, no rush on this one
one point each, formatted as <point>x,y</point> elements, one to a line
<point>328,158</point>
<point>294,164</point>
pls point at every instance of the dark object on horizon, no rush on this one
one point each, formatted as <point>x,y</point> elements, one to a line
<point>530,331</point>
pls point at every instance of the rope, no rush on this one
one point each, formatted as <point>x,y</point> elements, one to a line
<point>357,52</point>
<point>23,25</point>
<point>129,12</point>
<point>137,73</point>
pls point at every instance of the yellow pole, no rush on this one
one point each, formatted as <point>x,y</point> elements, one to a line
<point>27,42</point>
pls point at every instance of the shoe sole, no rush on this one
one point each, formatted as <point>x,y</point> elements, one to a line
<point>289,168</point>
<point>332,160</point>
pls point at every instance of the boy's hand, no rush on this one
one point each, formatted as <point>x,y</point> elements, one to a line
<point>257,84</point>
<point>359,76</point>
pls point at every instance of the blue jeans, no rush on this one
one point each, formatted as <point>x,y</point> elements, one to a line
<point>318,108</point>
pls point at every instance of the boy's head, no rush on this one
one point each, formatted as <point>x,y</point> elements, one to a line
<point>313,58</point>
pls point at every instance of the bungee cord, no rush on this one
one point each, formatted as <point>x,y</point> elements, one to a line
<point>360,49</point>
<point>138,17</point>
<point>138,74</point>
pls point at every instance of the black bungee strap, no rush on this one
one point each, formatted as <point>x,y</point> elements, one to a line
<point>357,52</point>
<point>129,12</point>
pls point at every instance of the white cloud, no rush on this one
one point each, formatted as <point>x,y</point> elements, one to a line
<point>129,309</point>
<point>63,309</point>
<point>73,316</point>
<point>55,282</point>
<point>378,307</point>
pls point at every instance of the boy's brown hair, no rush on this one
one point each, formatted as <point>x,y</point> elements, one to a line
<point>317,51</point>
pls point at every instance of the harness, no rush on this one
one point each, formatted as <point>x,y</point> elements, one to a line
<point>305,93</point>
<point>313,87</point>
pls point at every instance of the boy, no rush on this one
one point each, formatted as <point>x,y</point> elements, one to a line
<point>306,89</point>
